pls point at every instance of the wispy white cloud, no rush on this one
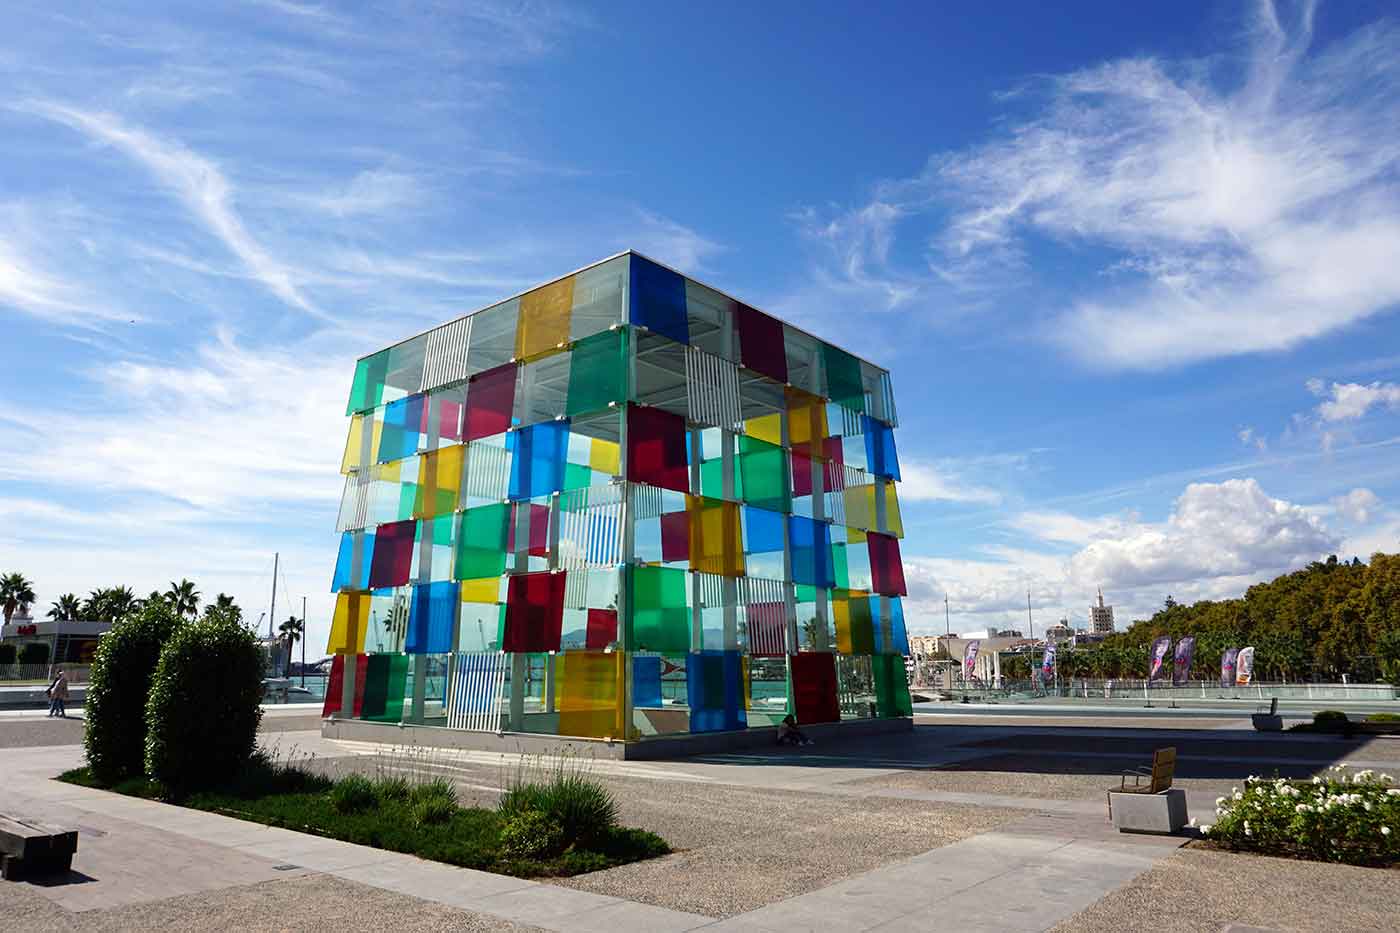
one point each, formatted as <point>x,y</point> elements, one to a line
<point>371,192</point>
<point>197,183</point>
<point>1350,401</point>
<point>668,241</point>
<point>925,481</point>
<point>1240,213</point>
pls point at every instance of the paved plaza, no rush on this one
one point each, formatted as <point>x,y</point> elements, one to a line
<point>970,823</point>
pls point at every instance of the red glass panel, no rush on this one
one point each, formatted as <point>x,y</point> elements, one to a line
<point>335,685</point>
<point>450,421</point>
<point>534,612</point>
<point>675,536</point>
<point>656,452</point>
<point>761,343</point>
<point>886,569</point>
<point>814,687</point>
<point>801,473</point>
<point>393,554</point>
<point>490,398</point>
<point>835,477</point>
<point>602,629</point>
<point>539,528</point>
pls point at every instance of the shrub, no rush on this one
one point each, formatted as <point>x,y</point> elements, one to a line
<point>582,806</point>
<point>1336,818</point>
<point>1329,716</point>
<point>1383,717</point>
<point>429,811</point>
<point>439,788</point>
<point>392,788</point>
<point>8,653</point>
<point>205,704</point>
<point>114,707</point>
<point>353,793</point>
<point>531,834</point>
<point>35,652</point>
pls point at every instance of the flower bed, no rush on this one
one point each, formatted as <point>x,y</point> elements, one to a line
<point>1342,817</point>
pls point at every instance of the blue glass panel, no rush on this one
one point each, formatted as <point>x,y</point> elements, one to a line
<point>763,530</point>
<point>403,421</point>
<point>646,681</point>
<point>541,451</point>
<point>811,552</point>
<point>880,454</point>
<point>431,618</point>
<point>714,690</point>
<point>901,634</point>
<point>658,300</point>
<point>344,578</point>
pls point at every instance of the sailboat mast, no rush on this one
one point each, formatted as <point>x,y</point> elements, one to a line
<point>273,614</point>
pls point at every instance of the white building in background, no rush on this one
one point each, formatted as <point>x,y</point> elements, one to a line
<point>1101,618</point>
<point>1059,632</point>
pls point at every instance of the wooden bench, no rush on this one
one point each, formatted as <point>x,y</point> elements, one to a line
<point>28,847</point>
<point>1159,777</point>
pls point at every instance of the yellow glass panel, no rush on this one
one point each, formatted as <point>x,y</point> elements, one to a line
<point>860,506</point>
<point>351,459</point>
<point>855,536</point>
<point>806,419</point>
<point>841,613</point>
<point>349,624</point>
<point>716,543</point>
<point>544,319</point>
<point>893,523</point>
<point>605,457</point>
<point>766,428</point>
<point>482,590</point>
<point>590,703</point>
<point>439,482</point>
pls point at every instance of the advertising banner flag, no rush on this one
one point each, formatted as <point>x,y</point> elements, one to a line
<point>1181,670</point>
<point>1160,648</point>
<point>1244,667</point>
<point>1227,667</point>
<point>970,657</point>
<point>1047,666</point>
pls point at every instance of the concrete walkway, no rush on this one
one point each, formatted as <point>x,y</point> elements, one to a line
<point>1026,876</point>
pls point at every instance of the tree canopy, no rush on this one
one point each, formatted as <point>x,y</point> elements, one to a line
<point>1330,618</point>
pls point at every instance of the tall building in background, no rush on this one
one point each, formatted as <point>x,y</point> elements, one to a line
<point>1101,618</point>
<point>620,505</point>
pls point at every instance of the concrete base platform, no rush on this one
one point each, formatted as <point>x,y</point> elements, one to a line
<point>528,743</point>
<point>1163,814</point>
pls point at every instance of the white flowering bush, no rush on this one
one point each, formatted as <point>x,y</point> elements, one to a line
<point>1340,817</point>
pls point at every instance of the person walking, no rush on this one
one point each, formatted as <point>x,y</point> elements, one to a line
<point>58,694</point>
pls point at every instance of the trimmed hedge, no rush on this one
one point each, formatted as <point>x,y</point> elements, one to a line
<point>8,653</point>
<point>204,706</point>
<point>114,707</point>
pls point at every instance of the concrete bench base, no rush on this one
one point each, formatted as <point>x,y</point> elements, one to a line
<point>1163,813</point>
<point>29,848</point>
<point>1266,722</point>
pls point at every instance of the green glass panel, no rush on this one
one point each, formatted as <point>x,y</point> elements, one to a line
<point>408,496</point>
<point>481,542</point>
<point>577,476</point>
<point>843,382</point>
<point>660,618</point>
<point>862,627</point>
<point>367,391</point>
<point>764,474</point>
<point>840,568</point>
<point>891,687</point>
<point>806,593</point>
<point>386,676</point>
<point>597,372</point>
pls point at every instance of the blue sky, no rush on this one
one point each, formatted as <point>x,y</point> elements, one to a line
<point>1134,274</point>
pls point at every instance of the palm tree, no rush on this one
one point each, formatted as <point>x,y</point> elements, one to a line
<point>223,607</point>
<point>183,598</point>
<point>292,631</point>
<point>16,593</point>
<point>65,608</point>
<point>121,602</point>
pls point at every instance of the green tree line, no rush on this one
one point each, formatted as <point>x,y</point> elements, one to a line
<point>1328,619</point>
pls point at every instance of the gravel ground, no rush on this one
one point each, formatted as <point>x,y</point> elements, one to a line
<point>1203,890</point>
<point>33,733</point>
<point>1056,778</point>
<point>739,849</point>
<point>312,902</point>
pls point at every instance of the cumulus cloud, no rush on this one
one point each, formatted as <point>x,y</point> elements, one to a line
<point>1216,529</point>
<point>1356,506</point>
<point>1242,212</point>
<point>1349,401</point>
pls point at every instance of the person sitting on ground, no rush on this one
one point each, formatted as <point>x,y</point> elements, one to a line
<point>789,734</point>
